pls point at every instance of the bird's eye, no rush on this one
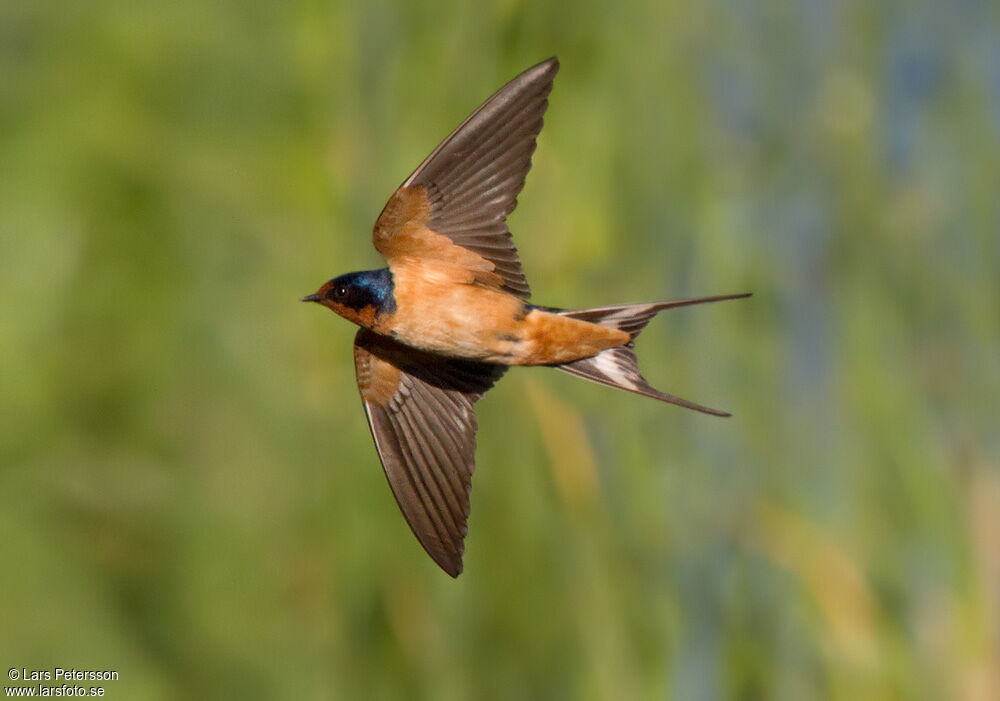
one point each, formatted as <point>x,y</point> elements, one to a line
<point>341,291</point>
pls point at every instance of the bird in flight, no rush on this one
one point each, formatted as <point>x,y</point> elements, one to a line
<point>447,317</point>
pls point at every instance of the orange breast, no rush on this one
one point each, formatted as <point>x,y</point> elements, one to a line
<point>440,308</point>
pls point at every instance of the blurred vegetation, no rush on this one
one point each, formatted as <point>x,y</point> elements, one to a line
<point>188,490</point>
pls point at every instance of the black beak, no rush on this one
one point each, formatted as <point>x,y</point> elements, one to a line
<point>310,298</point>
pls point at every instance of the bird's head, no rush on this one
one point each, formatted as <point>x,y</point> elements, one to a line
<point>358,297</point>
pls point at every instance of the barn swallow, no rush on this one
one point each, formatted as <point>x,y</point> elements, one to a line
<point>449,315</point>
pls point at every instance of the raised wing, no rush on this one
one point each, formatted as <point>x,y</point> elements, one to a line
<point>419,409</point>
<point>461,194</point>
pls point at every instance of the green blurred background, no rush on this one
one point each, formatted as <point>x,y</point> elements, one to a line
<point>188,490</point>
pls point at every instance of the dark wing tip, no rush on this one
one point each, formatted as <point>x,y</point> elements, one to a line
<point>719,413</point>
<point>452,566</point>
<point>549,65</point>
<point>543,73</point>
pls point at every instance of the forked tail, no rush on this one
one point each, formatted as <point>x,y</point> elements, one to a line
<point>618,367</point>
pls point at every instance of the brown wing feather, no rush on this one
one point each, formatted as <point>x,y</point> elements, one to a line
<point>419,408</point>
<point>465,189</point>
